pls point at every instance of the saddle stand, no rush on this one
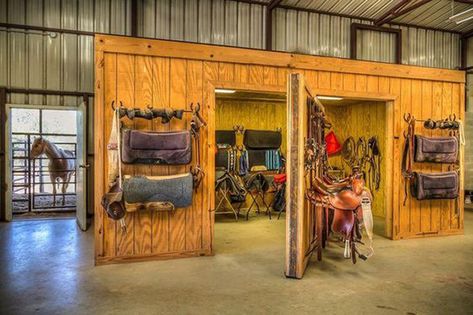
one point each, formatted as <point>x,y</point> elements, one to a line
<point>223,193</point>
<point>254,196</point>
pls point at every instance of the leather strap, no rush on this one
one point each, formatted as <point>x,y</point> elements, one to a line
<point>408,156</point>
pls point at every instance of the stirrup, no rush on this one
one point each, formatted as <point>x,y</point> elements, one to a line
<point>347,251</point>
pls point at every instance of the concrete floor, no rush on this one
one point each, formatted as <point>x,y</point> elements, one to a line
<point>47,268</point>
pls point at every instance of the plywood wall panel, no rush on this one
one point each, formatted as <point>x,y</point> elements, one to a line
<point>177,218</point>
<point>426,111</point>
<point>436,113</point>
<point>143,96</point>
<point>226,71</point>
<point>395,89</point>
<point>194,214</point>
<point>404,206</point>
<point>161,98</point>
<point>324,80</point>
<point>210,74</point>
<point>270,76</point>
<point>140,71</point>
<point>416,111</point>
<point>125,93</point>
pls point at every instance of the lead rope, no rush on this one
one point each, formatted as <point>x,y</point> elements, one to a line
<point>119,161</point>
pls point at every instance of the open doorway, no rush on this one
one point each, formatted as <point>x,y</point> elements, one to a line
<point>358,139</point>
<point>45,162</point>
<point>251,129</point>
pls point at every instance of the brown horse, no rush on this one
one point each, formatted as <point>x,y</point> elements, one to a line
<point>62,163</point>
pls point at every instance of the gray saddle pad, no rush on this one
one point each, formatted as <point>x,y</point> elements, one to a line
<point>176,189</point>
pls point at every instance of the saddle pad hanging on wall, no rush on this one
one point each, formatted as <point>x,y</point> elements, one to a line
<point>225,137</point>
<point>174,189</point>
<point>436,150</point>
<point>147,147</point>
<point>262,139</point>
<point>434,185</point>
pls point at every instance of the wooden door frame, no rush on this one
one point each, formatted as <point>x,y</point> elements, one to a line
<point>296,260</point>
<point>210,100</point>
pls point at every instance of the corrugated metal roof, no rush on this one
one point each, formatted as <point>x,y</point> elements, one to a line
<point>434,14</point>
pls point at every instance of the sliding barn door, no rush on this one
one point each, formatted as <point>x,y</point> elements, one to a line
<point>300,221</point>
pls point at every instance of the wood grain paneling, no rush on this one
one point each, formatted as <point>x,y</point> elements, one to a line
<point>251,114</point>
<point>365,119</point>
<point>138,71</point>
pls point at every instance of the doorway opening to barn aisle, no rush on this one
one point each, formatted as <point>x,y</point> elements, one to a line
<point>44,162</point>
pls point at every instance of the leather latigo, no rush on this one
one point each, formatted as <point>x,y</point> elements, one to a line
<point>435,149</point>
<point>147,147</point>
<point>425,186</point>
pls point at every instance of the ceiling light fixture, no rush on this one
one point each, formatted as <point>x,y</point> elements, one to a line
<point>462,16</point>
<point>330,98</point>
<point>224,91</point>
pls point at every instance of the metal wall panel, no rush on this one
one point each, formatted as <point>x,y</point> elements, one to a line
<point>430,48</point>
<point>327,35</point>
<point>221,22</point>
<point>38,60</point>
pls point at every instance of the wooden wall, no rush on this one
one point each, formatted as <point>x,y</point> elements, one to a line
<point>252,114</point>
<point>165,73</point>
<point>365,119</point>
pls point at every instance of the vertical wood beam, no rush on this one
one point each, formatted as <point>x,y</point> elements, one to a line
<point>134,18</point>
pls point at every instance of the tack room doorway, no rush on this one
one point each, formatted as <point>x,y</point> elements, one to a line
<point>250,149</point>
<point>45,164</point>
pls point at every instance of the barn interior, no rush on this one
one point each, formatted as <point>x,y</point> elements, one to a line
<point>240,212</point>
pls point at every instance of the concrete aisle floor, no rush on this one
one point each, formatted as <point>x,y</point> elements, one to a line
<point>47,268</point>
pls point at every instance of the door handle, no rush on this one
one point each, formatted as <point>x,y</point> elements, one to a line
<point>84,165</point>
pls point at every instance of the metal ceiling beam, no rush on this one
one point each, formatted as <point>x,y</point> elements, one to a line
<point>269,22</point>
<point>467,34</point>
<point>399,10</point>
<point>464,1</point>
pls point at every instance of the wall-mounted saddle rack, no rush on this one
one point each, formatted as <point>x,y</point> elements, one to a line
<point>449,123</point>
<point>165,113</point>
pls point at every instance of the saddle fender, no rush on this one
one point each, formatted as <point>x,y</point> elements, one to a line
<point>343,222</point>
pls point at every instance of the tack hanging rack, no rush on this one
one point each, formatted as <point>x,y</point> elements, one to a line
<point>165,113</point>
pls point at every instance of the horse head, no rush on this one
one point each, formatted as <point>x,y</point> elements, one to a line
<point>38,147</point>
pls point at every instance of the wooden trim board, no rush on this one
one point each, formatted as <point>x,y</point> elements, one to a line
<point>165,48</point>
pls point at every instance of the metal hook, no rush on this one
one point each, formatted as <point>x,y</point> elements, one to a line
<point>196,109</point>
<point>149,106</point>
<point>407,117</point>
<point>452,115</point>
<point>121,104</point>
<point>113,105</point>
